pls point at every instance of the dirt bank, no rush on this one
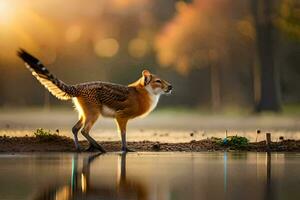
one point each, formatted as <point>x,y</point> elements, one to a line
<point>65,144</point>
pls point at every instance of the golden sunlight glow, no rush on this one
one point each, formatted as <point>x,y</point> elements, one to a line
<point>21,26</point>
<point>6,11</point>
<point>107,47</point>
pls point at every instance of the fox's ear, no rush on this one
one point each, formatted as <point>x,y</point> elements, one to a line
<point>146,73</point>
<point>147,77</point>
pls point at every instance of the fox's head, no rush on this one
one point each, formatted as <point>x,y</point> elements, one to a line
<point>154,84</point>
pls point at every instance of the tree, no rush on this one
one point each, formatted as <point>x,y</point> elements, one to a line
<point>196,37</point>
<point>269,98</point>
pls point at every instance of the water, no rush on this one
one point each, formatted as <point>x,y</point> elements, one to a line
<point>161,176</point>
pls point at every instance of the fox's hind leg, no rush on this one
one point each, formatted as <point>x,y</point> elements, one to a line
<point>88,123</point>
<point>89,114</point>
<point>75,131</point>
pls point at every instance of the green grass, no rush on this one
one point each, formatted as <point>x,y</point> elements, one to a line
<point>45,135</point>
<point>236,142</point>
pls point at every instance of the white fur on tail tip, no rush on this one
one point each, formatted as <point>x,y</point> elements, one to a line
<point>51,87</point>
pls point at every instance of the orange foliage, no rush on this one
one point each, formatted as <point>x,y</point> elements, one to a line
<point>199,35</point>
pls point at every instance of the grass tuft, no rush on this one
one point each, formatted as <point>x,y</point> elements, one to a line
<point>45,135</point>
<point>236,142</point>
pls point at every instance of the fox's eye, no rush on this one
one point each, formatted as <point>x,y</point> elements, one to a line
<point>158,81</point>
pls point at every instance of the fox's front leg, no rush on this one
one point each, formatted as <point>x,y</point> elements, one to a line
<point>122,123</point>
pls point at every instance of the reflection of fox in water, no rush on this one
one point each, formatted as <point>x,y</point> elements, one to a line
<point>82,185</point>
<point>93,99</point>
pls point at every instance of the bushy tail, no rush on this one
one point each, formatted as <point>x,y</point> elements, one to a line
<point>54,85</point>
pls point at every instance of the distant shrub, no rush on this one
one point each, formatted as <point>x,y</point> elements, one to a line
<point>238,142</point>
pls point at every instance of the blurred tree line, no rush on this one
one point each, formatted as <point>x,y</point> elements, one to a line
<point>216,53</point>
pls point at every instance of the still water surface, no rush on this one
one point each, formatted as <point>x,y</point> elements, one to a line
<point>156,176</point>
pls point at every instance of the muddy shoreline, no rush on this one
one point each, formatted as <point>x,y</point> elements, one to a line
<point>65,144</point>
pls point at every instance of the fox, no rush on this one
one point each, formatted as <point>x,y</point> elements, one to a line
<point>99,98</point>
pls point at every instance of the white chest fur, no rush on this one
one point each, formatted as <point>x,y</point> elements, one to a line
<point>108,112</point>
<point>153,101</point>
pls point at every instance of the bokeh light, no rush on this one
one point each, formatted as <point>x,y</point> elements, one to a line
<point>107,47</point>
<point>138,47</point>
<point>73,33</point>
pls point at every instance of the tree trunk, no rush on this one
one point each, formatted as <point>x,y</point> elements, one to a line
<point>215,87</point>
<point>256,81</point>
<point>269,91</point>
